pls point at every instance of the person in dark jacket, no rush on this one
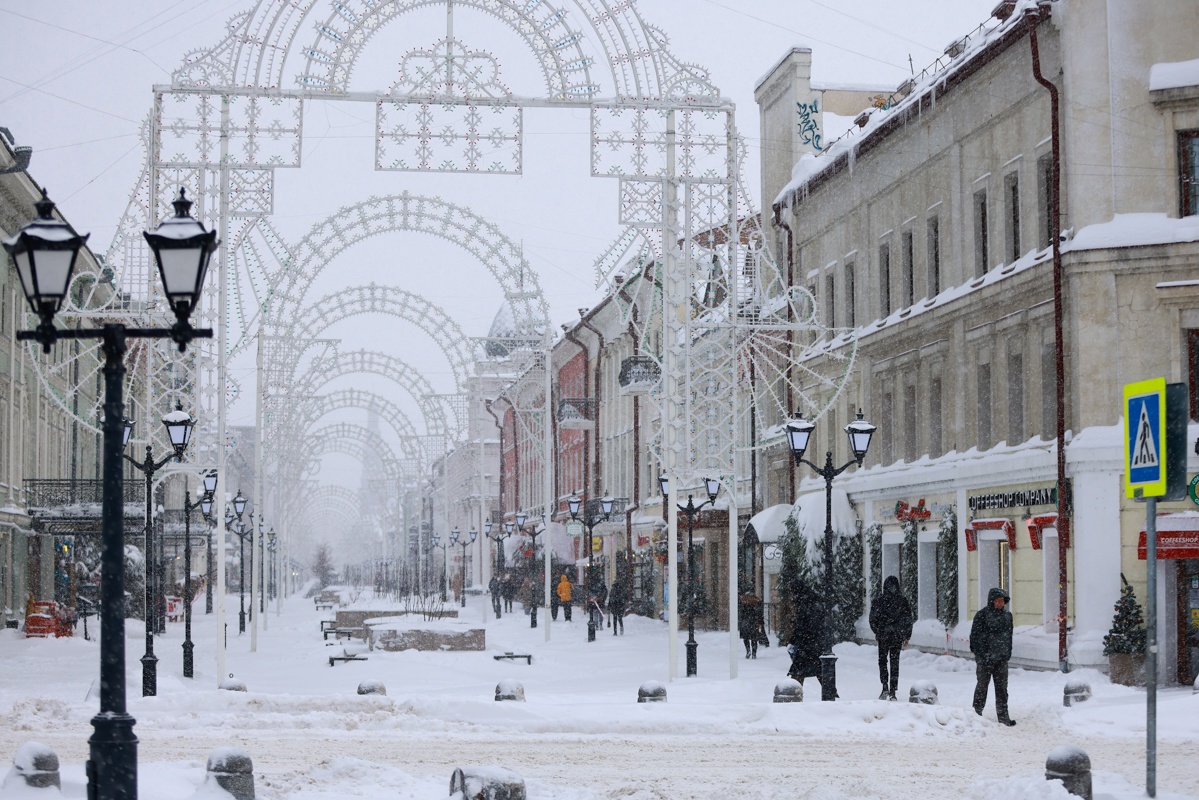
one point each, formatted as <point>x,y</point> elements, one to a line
<point>749,622</point>
<point>508,590</point>
<point>891,621</point>
<point>493,587</point>
<point>991,643</point>
<point>618,603</point>
<point>807,635</point>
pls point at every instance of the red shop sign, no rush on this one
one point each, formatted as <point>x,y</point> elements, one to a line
<point>1172,544</point>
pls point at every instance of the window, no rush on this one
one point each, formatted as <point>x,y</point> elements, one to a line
<point>981,250</point>
<point>1049,391</point>
<point>1015,398</point>
<point>830,299</point>
<point>884,279</point>
<point>1045,232</point>
<point>935,438</point>
<point>934,256</point>
<point>1188,172</point>
<point>908,279</point>
<point>851,318</point>
<point>1011,194</point>
<point>911,450</point>
<point>983,403</point>
<point>1192,336</point>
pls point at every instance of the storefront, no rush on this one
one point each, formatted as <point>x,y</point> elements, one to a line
<point>908,545</point>
<point>1178,574</point>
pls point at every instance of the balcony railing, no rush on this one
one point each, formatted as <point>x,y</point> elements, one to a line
<point>46,494</point>
<point>576,414</point>
<point>638,375</point>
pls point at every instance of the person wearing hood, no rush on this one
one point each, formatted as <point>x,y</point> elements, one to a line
<point>991,643</point>
<point>891,621</point>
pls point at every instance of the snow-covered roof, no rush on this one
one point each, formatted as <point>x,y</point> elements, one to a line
<point>768,523</point>
<point>1174,74</point>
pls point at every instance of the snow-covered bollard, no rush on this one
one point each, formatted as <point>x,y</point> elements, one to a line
<point>651,692</point>
<point>1072,766</point>
<point>232,769</point>
<point>924,692</point>
<point>37,765</point>
<point>509,690</point>
<point>486,783</point>
<point>233,685</point>
<point>372,687</point>
<point>1076,691</point>
<point>1196,690</point>
<point>788,690</point>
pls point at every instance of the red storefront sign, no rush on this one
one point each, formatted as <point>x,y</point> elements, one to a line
<point>1002,524</point>
<point>1172,544</point>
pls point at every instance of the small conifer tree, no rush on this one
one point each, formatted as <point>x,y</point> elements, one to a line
<point>1127,634</point>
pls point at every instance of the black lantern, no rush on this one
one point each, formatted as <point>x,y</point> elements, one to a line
<point>45,251</point>
<point>799,431</point>
<point>239,504</point>
<point>127,426</point>
<point>179,428</point>
<point>573,505</point>
<point>859,432</point>
<point>210,481</point>
<point>182,248</point>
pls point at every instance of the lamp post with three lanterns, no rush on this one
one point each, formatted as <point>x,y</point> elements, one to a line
<point>590,520</point>
<point>799,431</point>
<point>45,252</point>
<point>445,577</point>
<point>691,509</point>
<point>457,538</point>
<point>204,499</point>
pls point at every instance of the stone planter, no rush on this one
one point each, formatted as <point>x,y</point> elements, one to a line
<point>1127,669</point>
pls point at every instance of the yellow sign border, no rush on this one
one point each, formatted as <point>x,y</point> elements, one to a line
<point>1141,389</point>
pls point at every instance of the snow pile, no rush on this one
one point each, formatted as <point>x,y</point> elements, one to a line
<point>1174,75</point>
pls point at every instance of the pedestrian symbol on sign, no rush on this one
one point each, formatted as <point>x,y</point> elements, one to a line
<point>1144,451</point>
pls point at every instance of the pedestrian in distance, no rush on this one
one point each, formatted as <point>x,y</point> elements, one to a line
<point>508,590</point>
<point>564,592</point>
<point>991,643</point>
<point>891,621</point>
<point>493,587</point>
<point>618,604</point>
<point>749,622</point>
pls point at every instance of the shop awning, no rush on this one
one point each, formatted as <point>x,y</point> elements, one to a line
<point>1177,537</point>
<point>767,524</point>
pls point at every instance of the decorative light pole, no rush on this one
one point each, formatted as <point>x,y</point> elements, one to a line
<point>590,520</point>
<point>239,508</point>
<point>799,431</point>
<point>445,578</point>
<point>456,538</point>
<point>188,507</point>
<point>533,534</point>
<point>498,537</point>
<point>691,509</point>
<point>179,428</point>
<point>206,510</point>
<point>271,546</point>
<point>45,252</point>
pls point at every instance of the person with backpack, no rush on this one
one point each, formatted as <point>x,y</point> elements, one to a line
<point>891,621</point>
<point>991,643</point>
<point>564,592</point>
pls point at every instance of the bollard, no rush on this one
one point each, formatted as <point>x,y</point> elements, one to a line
<point>486,783</point>
<point>1070,765</point>
<point>1076,691</point>
<point>232,770</point>
<point>788,690</point>
<point>37,765</point>
<point>509,690</point>
<point>651,692</point>
<point>1196,688</point>
<point>924,692</point>
<point>372,687</point>
<point>233,685</point>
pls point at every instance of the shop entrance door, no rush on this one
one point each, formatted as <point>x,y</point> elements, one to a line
<point>1188,620</point>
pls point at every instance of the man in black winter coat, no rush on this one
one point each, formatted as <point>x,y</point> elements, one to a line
<point>991,643</point>
<point>891,621</point>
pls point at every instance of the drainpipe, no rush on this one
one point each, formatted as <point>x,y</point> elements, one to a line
<point>636,504</point>
<point>778,221</point>
<point>599,360</point>
<point>570,337</point>
<point>500,427</point>
<point>1032,18</point>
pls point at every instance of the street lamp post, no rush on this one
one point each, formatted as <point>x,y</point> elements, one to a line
<point>206,510</point>
<point>188,507</point>
<point>799,431</point>
<point>691,509</point>
<point>271,546</point>
<point>445,578</point>
<point>239,508</point>
<point>456,538</point>
<point>45,252</point>
<point>533,534</point>
<point>590,520</point>
<point>179,427</point>
<point>498,537</point>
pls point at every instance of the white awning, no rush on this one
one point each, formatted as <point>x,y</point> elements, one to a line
<point>768,523</point>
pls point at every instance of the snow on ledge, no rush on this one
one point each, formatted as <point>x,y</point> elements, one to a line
<point>1174,74</point>
<point>1134,230</point>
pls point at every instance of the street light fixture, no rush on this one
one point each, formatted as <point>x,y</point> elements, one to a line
<point>206,510</point>
<point>691,509</point>
<point>533,534</point>
<point>590,520</point>
<point>45,252</point>
<point>456,538</point>
<point>204,498</point>
<point>445,578</point>
<point>179,426</point>
<point>799,431</point>
<point>242,531</point>
<point>498,537</point>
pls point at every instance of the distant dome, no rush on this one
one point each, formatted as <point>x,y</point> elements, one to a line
<point>503,336</point>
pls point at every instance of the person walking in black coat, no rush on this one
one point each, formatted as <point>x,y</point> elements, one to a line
<point>749,622</point>
<point>808,634</point>
<point>508,590</point>
<point>618,604</point>
<point>991,643</point>
<point>891,620</point>
<point>493,587</point>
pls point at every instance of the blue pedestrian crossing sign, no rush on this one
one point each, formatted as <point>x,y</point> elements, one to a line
<point>1145,438</point>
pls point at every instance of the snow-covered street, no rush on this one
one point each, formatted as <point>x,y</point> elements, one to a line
<point>580,734</point>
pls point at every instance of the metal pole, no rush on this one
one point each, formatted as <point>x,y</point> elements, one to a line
<point>149,660</point>
<point>828,661</point>
<point>208,569</point>
<point>1151,646</point>
<point>112,762</point>
<point>241,580</point>
<point>222,391</point>
<point>692,645</point>
<point>187,580</point>
<point>672,580</point>
<point>260,506</point>
<point>547,477</point>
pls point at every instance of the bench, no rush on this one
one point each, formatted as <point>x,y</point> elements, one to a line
<point>328,624</point>
<point>324,606</point>
<point>346,656</point>
<point>349,633</point>
<point>512,656</point>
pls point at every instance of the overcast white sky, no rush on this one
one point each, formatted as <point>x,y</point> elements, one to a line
<point>76,78</point>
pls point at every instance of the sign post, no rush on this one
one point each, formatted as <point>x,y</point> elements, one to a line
<point>1154,466</point>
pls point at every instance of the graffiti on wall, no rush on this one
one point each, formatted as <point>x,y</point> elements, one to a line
<point>809,124</point>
